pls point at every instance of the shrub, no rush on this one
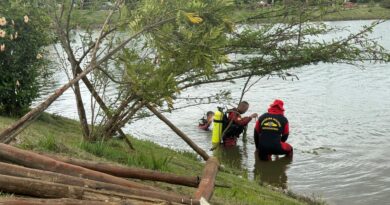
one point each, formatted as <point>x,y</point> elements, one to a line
<point>23,36</point>
<point>386,4</point>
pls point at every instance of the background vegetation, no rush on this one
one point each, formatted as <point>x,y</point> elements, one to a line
<point>24,36</point>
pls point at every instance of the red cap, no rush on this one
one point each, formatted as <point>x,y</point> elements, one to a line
<point>278,103</point>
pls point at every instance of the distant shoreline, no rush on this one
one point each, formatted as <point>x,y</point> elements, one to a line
<point>93,19</point>
<point>359,12</point>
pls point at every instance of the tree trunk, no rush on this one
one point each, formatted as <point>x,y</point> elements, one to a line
<point>136,173</point>
<point>33,160</point>
<point>109,126</point>
<point>206,186</point>
<point>18,171</point>
<point>37,188</point>
<point>195,147</point>
<point>102,105</point>
<point>122,120</point>
<point>81,113</point>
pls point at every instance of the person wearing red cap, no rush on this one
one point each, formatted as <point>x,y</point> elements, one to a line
<point>271,132</point>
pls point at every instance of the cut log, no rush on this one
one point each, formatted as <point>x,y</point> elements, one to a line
<point>35,201</point>
<point>33,160</point>
<point>206,186</point>
<point>37,188</point>
<point>18,171</point>
<point>136,173</point>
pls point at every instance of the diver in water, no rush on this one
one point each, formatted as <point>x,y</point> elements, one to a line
<point>205,124</point>
<point>236,123</point>
<point>271,132</point>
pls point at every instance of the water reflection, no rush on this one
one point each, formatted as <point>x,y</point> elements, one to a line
<point>272,172</point>
<point>229,156</point>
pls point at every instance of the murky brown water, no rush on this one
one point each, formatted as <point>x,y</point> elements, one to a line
<point>340,123</point>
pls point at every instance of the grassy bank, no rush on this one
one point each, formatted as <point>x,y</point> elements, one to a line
<point>359,12</point>
<point>59,135</point>
<point>362,12</point>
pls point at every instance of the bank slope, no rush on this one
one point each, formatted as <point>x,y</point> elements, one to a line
<point>54,134</point>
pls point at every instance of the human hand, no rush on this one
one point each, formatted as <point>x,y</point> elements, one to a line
<point>254,115</point>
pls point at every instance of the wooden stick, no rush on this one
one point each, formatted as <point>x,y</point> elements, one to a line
<point>37,188</point>
<point>206,186</point>
<point>37,201</point>
<point>128,172</point>
<point>33,160</point>
<point>18,171</point>
<point>181,134</point>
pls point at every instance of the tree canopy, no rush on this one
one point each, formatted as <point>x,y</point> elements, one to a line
<point>161,48</point>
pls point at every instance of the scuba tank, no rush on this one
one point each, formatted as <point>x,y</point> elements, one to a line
<point>217,126</point>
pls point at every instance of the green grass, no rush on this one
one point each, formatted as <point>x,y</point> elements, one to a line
<point>62,136</point>
<point>114,151</point>
<point>360,12</point>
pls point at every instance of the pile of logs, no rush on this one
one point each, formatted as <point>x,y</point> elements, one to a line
<point>49,179</point>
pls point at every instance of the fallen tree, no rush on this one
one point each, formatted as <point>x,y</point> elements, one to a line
<point>33,160</point>
<point>181,134</point>
<point>38,188</point>
<point>128,172</point>
<point>37,201</point>
<point>19,171</point>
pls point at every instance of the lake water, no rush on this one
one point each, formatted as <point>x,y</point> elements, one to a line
<point>339,119</point>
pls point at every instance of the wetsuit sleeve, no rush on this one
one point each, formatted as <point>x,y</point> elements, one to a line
<point>238,120</point>
<point>285,133</point>
<point>204,127</point>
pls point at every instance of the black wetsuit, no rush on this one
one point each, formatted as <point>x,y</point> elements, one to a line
<point>271,133</point>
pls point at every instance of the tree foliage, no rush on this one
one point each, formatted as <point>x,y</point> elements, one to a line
<point>23,34</point>
<point>188,44</point>
<point>200,43</point>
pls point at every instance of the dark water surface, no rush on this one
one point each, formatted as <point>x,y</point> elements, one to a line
<point>339,118</point>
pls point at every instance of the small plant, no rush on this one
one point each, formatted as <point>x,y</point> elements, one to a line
<point>48,143</point>
<point>95,148</point>
<point>160,163</point>
<point>111,150</point>
<point>26,144</point>
<point>149,161</point>
<point>45,143</point>
<point>6,195</point>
